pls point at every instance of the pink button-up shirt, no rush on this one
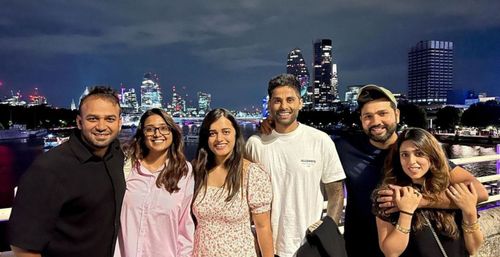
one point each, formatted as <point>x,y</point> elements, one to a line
<point>154,222</point>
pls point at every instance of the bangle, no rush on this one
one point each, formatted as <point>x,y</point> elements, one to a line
<point>406,212</point>
<point>402,230</point>
<point>469,225</point>
<point>470,228</point>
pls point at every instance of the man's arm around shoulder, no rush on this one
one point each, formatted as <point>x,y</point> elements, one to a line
<point>457,175</point>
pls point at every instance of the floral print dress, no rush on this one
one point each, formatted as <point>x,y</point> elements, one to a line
<point>224,227</point>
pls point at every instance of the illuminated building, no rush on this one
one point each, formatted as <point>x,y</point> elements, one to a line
<point>325,79</point>
<point>430,72</point>
<point>150,92</point>
<point>204,100</point>
<point>297,66</point>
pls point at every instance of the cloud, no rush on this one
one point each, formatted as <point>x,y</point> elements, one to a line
<point>236,38</point>
<point>238,57</point>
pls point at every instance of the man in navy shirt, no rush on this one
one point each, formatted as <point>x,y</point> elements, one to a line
<point>362,156</point>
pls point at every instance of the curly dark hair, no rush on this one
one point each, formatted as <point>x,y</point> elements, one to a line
<point>436,180</point>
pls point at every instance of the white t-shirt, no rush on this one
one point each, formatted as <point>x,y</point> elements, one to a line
<point>297,161</point>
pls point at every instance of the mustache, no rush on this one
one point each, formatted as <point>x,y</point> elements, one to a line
<point>377,126</point>
<point>101,132</point>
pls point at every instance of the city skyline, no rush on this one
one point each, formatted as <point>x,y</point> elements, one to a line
<point>232,48</point>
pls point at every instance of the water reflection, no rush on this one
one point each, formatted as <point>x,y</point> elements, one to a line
<point>480,168</point>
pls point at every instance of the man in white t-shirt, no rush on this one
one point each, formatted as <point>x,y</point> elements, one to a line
<point>299,159</point>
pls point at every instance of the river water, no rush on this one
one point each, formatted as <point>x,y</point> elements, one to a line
<point>480,168</point>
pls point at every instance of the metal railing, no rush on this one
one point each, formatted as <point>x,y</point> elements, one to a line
<point>491,182</point>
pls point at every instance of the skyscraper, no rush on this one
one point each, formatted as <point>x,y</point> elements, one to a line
<point>128,100</point>
<point>351,95</point>
<point>325,76</point>
<point>430,72</point>
<point>204,100</point>
<point>297,66</point>
<point>150,92</point>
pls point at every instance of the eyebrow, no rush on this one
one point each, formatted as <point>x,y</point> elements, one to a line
<point>155,124</point>
<point>220,129</point>
<point>407,151</point>
<point>97,115</point>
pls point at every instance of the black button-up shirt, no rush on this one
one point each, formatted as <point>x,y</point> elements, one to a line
<point>69,201</point>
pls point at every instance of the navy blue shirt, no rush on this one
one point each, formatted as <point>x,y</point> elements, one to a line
<point>363,164</point>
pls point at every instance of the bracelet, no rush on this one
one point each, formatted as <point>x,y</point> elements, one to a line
<point>468,225</point>
<point>402,230</point>
<point>470,228</point>
<point>406,212</point>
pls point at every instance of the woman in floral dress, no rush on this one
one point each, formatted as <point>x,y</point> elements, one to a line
<point>230,192</point>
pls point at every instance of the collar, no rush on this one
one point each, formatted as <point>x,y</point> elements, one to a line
<point>82,151</point>
<point>276,134</point>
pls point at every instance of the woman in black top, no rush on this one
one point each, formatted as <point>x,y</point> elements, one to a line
<point>417,167</point>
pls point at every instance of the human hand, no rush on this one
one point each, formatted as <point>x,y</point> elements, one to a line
<point>464,196</point>
<point>407,199</point>
<point>266,126</point>
<point>315,225</point>
<point>387,200</point>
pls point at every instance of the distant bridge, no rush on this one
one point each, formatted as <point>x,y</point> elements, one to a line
<point>132,120</point>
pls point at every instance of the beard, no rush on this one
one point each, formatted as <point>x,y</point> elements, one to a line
<point>390,130</point>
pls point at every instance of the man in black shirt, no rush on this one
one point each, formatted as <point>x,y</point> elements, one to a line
<point>69,201</point>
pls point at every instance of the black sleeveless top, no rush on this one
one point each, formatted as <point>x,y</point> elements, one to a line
<point>423,244</point>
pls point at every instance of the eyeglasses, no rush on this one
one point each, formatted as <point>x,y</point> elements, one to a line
<point>150,130</point>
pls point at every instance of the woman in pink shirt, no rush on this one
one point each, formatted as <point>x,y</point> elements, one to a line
<point>230,193</point>
<point>156,215</point>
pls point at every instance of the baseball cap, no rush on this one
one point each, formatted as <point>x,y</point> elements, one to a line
<point>372,92</point>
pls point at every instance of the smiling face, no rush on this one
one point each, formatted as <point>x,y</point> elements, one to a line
<point>414,162</point>
<point>99,122</point>
<point>379,121</point>
<point>221,139</point>
<point>284,107</point>
<point>157,134</point>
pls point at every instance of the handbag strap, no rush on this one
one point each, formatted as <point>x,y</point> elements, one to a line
<point>435,236</point>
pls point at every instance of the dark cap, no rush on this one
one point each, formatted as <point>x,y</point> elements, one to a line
<point>373,92</point>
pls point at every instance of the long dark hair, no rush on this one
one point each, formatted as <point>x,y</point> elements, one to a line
<point>177,167</point>
<point>436,180</point>
<point>205,159</point>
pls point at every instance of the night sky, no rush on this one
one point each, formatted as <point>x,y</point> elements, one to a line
<point>232,48</point>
